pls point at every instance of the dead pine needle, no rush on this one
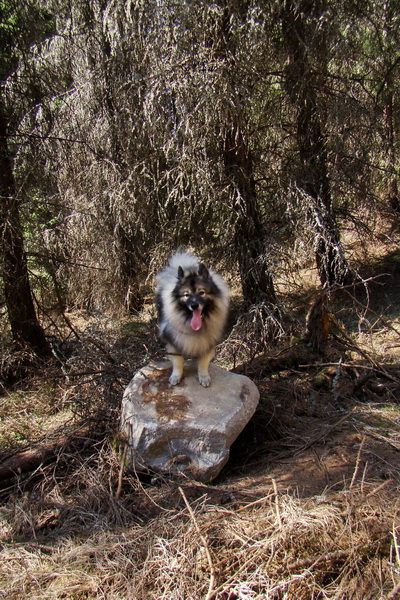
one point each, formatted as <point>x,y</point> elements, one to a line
<point>209,594</point>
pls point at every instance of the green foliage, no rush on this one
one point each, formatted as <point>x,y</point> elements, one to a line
<point>22,23</point>
<point>134,327</point>
<point>322,379</point>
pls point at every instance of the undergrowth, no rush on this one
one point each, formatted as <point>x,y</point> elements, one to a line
<point>306,508</point>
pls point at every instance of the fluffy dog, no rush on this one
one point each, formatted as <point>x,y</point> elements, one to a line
<point>192,304</point>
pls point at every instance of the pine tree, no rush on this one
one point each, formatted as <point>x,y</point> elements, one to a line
<point>16,32</point>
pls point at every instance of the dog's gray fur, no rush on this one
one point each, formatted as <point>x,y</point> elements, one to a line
<point>192,303</point>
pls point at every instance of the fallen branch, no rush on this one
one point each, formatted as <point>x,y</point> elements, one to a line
<point>288,358</point>
<point>30,460</point>
<point>376,369</point>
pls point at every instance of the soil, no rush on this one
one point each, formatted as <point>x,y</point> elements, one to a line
<point>312,442</point>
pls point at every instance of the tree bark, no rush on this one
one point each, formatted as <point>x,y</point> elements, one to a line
<point>299,27</point>
<point>390,138</point>
<point>257,284</point>
<point>127,243</point>
<point>25,327</point>
<point>249,235</point>
<point>387,89</point>
<point>27,461</point>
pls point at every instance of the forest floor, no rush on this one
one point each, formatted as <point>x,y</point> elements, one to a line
<point>308,506</point>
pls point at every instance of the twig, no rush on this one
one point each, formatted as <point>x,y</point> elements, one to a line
<point>378,489</point>
<point>246,506</point>
<point>107,371</point>
<point>310,563</point>
<point>326,433</point>
<point>32,459</point>
<point>357,462</point>
<point>379,317</point>
<point>394,593</point>
<point>278,514</point>
<point>121,473</point>
<point>351,344</point>
<point>336,381</point>
<point>396,545</point>
<point>241,568</point>
<point>204,542</point>
<point>385,439</point>
<point>100,347</point>
<point>364,476</point>
<point>375,369</point>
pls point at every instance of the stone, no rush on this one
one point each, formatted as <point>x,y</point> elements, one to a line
<point>185,430</point>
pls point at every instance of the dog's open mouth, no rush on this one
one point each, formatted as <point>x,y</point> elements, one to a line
<point>195,322</point>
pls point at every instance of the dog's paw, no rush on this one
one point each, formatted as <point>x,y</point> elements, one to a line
<point>204,380</point>
<point>175,379</point>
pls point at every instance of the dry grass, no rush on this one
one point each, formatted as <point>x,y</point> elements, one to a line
<point>307,508</point>
<point>310,512</point>
<point>263,543</point>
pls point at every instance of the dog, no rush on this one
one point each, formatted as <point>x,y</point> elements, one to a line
<point>192,304</point>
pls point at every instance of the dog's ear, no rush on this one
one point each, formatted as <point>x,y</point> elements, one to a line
<point>181,274</point>
<point>203,271</point>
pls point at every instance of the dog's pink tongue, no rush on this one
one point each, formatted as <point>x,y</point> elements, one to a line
<point>195,322</point>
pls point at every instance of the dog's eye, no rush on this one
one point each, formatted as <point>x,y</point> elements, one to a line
<point>201,293</point>
<point>185,295</point>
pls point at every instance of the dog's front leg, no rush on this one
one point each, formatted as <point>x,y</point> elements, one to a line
<point>202,369</point>
<point>177,365</point>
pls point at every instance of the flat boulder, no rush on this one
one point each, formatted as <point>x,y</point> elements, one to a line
<point>185,430</point>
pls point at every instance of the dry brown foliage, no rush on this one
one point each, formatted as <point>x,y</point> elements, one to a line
<point>306,509</point>
<point>247,540</point>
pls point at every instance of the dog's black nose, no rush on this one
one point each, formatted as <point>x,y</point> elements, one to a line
<point>194,305</point>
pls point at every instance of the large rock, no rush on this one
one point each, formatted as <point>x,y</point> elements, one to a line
<point>185,429</point>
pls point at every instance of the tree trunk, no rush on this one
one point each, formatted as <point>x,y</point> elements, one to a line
<point>249,236</point>
<point>387,89</point>
<point>27,461</point>
<point>25,327</point>
<point>128,246</point>
<point>392,185</point>
<point>312,179</point>
<point>257,284</point>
